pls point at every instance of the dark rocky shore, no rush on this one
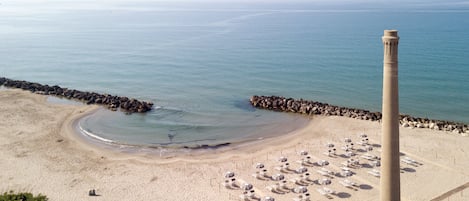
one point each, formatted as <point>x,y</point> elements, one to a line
<point>307,107</point>
<point>129,105</point>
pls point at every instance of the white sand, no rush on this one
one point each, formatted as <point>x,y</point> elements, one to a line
<point>40,153</point>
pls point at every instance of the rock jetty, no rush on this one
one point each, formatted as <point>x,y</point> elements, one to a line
<point>128,105</point>
<point>307,107</point>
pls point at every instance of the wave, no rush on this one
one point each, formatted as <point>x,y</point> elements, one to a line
<point>94,136</point>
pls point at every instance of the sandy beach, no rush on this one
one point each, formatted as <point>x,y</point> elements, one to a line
<point>41,153</point>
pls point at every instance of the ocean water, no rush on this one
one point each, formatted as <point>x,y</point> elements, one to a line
<point>200,66</point>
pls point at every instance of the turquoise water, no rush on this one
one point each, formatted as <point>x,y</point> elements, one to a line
<point>200,67</point>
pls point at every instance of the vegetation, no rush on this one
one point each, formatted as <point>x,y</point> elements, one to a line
<point>12,196</point>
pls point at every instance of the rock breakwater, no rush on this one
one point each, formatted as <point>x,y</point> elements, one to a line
<point>129,105</point>
<point>307,107</point>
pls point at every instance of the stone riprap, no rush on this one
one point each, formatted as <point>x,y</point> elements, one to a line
<point>128,105</point>
<point>307,107</point>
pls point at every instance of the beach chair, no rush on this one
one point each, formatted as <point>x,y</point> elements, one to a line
<point>374,172</point>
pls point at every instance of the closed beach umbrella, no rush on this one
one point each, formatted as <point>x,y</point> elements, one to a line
<point>283,159</point>
<point>376,163</point>
<point>323,162</point>
<point>229,174</point>
<point>259,165</point>
<point>300,189</point>
<point>346,173</point>
<point>267,198</point>
<point>247,186</point>
<point>301,170</point>
<point>325,181</point>
<point>303,153</point>
<point>278,177</point>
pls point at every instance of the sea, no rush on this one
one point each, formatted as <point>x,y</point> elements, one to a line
<point>200,65</point>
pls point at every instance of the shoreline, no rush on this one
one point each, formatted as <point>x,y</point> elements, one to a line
<point>40,150</point>
<point>164,151</point>
<point>176,149</point>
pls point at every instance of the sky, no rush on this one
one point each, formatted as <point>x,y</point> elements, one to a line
<point>18,5</point>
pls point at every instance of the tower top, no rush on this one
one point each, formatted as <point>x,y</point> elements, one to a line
<point>390,35</point>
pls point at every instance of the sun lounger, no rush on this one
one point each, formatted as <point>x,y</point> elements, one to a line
<point>323,173</point>
<point>328,171</point>
<point>369,157</point>
<point>284,186</point>
<point>324,193</point>
<point>306,177</point>
<point>300,181</point>
<point>302,197</point>
<point>262,175</point>
<point>275,189</point>
<point>231,183</point>
<point>410,161</point>
<point>375,163</point>
<point>305,162</point>
<point>374,172</point>
<point>328,190</point>
<point>285,168</point>
<point>351,183</point>
<point>330,152</point>
<point>249,195</point>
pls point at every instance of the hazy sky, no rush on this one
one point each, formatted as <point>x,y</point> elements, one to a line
<point>314,4</point>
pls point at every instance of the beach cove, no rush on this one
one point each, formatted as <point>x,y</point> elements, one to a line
<point>42,153</point>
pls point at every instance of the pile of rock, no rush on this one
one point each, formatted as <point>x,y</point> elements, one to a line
<point>128,105</point>
<point>306,107</point>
